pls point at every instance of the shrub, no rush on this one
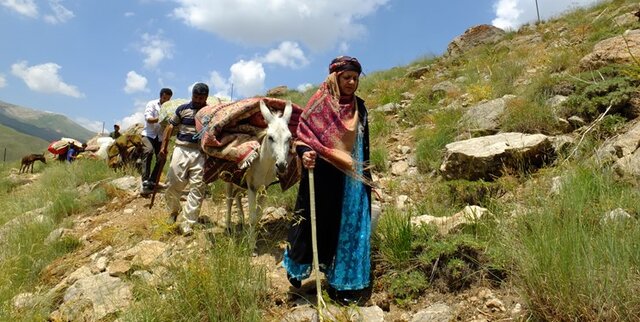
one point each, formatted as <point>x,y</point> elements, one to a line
<point>393,239</point>
<point>594,97</point>
<point>220,285</point>
<point>528,117</point>
<point>431,141</point>
<point>379,158</point>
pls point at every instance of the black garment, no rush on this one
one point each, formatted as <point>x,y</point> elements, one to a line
<point>329,191</point>
<point>114,135</point>
<point>150,148</point>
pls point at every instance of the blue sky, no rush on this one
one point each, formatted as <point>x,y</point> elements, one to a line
<point>100,61</point>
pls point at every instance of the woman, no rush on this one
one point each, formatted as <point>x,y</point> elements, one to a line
<point>333,139</point>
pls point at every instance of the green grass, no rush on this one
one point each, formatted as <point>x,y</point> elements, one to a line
<point>568,264</point>
<point>14,145</point>
<point>25,254</point>
<point>432,141</point>
<point>219,285</point>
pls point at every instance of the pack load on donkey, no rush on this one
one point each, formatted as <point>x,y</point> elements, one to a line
<point>249,146</point>
<point>60,147</point>
<point>231,134</point>
<point>125,150</point>
<point>169,108</point>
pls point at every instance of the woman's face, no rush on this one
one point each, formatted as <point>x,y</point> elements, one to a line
<point>348,82</point>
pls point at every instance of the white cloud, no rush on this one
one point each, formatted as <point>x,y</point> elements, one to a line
<point>44,78</point>
<point>288,54</point>
<point>219,86</point>
<point>317,24</point>
<point>156,49</point>
<point>135,83</point>
<point>511,14</point>
<point>24,7</point>
<point>60,13</point>
<point>95,126</point>
<point>247,78</point>
<point>136,117</point>
<point>3,81</point>
<point>304,87</point>
<point>128,121</point>
<point>129,14</point>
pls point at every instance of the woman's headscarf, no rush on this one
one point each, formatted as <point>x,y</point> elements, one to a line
<point>329,122</point>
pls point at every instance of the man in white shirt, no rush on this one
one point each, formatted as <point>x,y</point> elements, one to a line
<point>152,140</point>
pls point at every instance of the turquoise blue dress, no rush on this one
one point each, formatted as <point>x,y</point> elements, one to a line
<point>345,254</point>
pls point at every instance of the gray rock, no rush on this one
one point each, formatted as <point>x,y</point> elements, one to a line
<point>417,72</point>
<point>438,312</point>
<point>94,297</point>
<point>474,36</point>
<point>487,157</point>
<point>484,117</point>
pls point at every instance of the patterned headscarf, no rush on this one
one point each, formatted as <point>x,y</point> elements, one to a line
<point>343,63</point>
<point>328,123</point>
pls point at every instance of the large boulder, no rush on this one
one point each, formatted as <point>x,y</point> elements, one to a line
<point>616,50</point>
<point>484,118</point>
<point>620,146</point>
<point>93,298</point>
<point>488,157</point>
<point>474,36</point>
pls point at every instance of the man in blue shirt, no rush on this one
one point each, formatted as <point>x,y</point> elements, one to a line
<point>187,161</point>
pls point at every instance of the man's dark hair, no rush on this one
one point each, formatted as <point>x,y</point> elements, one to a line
<point>200,89</point>
<point>166,91</point>
<point>116,126</point>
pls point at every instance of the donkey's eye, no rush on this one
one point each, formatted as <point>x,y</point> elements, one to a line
<point>270,138</point>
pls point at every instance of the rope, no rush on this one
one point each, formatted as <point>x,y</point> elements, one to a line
<point>205,127</point>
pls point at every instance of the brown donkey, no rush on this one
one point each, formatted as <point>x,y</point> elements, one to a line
<point>27,162</point>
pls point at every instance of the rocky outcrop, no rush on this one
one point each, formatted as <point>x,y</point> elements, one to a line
<point>624,49</point>
<point>93,298</point>
<point>484,118</point>
<point>489,157</point>
<point>278,91</point>
<point>474,36</point>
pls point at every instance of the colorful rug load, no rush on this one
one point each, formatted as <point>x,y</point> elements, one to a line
<point>230,133</point>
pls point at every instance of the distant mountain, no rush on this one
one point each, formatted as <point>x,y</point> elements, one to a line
<point>44,125</point>
<point>14,145</point>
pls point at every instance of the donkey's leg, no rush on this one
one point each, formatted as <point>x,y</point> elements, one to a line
<point>238,194</point>
<point>229,199</point>
<point>252,217</point>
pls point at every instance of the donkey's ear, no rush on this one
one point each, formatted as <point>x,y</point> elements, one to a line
<point>287,112</point>
<point>266,113</point>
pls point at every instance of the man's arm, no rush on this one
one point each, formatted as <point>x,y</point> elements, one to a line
<point>165,143</point>
<point>151,113</point>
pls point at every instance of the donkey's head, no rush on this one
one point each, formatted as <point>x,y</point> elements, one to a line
<point>277,142</point>
<point>41,158</point>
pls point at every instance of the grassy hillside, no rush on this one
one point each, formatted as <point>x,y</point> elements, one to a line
<point>47,126</point>
<point>558,252</point>
<point>19,144</point>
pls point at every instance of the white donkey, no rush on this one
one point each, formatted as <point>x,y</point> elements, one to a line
<point>271,160</point>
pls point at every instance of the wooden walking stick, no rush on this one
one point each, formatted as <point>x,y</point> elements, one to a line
<point>314,244</point>
<point>161,162</point>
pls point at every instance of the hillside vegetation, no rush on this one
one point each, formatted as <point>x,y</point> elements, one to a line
<point>547,232</point>
<point>18,144</point>
<point>31,125</point>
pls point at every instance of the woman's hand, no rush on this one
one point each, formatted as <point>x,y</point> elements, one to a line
<point>309,159</point>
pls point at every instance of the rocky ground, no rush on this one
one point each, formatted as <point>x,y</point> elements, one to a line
<point>125,237</point>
